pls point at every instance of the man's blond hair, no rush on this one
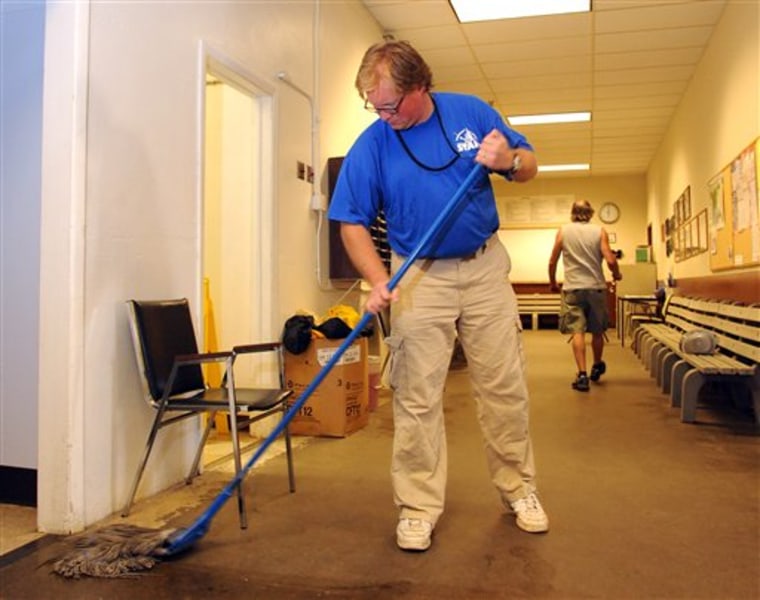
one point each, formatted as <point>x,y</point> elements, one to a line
<point>400,60</point>
<point>581,212</point>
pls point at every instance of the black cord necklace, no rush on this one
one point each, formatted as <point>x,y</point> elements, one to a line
<point>416,160</point>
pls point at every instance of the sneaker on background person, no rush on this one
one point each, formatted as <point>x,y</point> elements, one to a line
<point>597,370</point>
<point>581,382</point>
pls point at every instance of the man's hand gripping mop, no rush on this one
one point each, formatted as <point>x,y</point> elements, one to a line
<point>121,549</point>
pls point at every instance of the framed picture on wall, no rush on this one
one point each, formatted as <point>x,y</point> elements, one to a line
<point>686,198</point>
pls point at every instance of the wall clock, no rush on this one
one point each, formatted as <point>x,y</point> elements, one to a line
<point>609,212</point>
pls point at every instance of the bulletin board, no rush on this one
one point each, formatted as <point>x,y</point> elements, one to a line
<point>534,212</point>
<point>734,217</point>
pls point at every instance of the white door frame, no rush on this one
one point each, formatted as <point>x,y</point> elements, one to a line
<point>263,233</point>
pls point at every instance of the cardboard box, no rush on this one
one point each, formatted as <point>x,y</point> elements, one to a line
<point>340,403</point>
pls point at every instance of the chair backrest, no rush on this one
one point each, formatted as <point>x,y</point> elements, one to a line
<point>162,330</point>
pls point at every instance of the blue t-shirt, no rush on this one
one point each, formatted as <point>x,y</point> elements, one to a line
<point>379,172</point>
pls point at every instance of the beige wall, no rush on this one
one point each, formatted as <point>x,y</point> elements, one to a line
<point>718,117</point>
<point>530,248</point>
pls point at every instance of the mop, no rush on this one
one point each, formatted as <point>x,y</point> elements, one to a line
<point>121,549</point>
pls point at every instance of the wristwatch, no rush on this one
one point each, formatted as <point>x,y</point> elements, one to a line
<point>516,164</point>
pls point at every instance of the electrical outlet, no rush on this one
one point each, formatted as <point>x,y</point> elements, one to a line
<point>309,174</point>
<point>300,170</point>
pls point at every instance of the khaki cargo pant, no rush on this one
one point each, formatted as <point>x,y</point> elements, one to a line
<point>440,299</point>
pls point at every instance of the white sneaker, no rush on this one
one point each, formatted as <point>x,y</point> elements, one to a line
<point>414,534</point>
<point>530,515</point>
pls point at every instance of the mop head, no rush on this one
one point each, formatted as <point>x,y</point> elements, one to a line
<point>115,551</point>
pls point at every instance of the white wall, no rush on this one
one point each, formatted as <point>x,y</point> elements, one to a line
<point>21,61</point>
<point>124,221</point>
<point>341,119</point>
<point>718,117</point>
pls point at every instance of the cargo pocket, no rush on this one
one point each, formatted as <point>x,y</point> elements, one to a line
<point>519,345</point>
<point>396,364</point>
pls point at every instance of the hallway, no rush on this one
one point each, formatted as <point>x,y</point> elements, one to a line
<point>640,506</point>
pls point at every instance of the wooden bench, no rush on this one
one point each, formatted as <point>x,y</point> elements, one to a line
<point>683,375</point>
<point>537,304</point>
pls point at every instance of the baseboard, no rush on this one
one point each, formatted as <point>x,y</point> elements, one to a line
<point>18,486</point>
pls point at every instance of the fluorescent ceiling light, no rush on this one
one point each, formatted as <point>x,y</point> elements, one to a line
<point>568,117</point>
<point>489,10</point>
<point>567,167</point>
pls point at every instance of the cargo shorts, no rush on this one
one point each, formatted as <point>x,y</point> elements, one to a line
<point>584,311</point>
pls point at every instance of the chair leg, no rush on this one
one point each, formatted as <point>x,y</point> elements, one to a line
<point>676,379</point>
<point>236,443</point>
<point>143,461</point>
<point>651,353</point>
<point>289,452</point>
<point>640,344</point>
<point>657,357</point>
<point>666,370</point>
<point>692,383</point>
<point>238,468</point>
<point>195,469</point>
<point>647,348</point>
<point>661,356</point>
<point>636,344</point>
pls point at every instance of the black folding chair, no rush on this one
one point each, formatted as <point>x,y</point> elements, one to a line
<point>174,385</point>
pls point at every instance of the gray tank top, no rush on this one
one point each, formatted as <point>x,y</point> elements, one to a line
<point>582,257</point>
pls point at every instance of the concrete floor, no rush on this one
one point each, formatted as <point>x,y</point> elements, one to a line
<point>641,506</point>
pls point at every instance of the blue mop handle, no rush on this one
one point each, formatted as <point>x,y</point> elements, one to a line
<point>227,492</point>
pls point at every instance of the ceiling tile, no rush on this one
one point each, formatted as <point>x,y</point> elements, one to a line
<point>528,29</point>
<point>432,38</point>
<point>640,89</point>
<point>409,15</point>
<point>506,51</point>
<point>526,68</point>
<point>647,58</point>
<point>630,61</point>
<point>654,39</point>
<point>658,16</point>
<point>650,74</point>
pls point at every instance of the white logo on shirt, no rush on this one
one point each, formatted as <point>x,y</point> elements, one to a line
<point>466,140</point>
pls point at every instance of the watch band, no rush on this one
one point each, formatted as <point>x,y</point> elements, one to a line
<point>516,164</point>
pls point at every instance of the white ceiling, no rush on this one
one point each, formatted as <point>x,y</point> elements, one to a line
<point>628,61</point>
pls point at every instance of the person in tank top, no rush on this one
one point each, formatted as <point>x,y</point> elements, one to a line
<point>584,246</point>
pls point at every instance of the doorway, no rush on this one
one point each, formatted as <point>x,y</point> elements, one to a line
<point>237,217</point>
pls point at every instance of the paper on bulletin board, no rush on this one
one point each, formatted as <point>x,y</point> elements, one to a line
<point>737,245</point>
<point>744,190</point>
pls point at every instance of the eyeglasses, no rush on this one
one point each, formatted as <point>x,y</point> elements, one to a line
<point>388,110</point>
